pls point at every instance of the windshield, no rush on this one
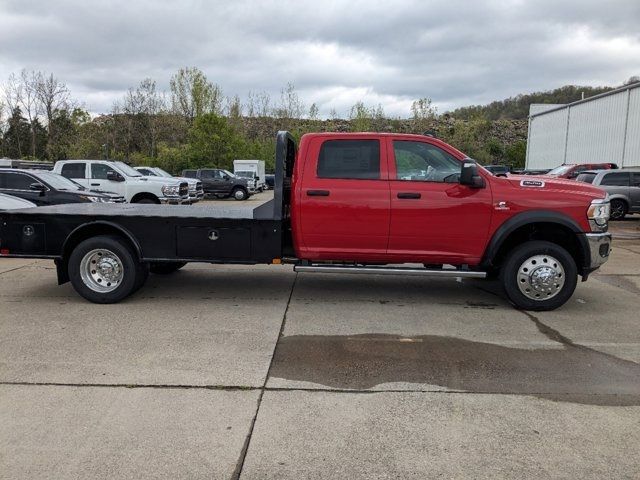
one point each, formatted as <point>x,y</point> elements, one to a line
<point>586,177</point>
<point>58,182</point>
<point>127,170</point>
<point>229,173</point>
<point>561,170</point>
<point>163,173</point>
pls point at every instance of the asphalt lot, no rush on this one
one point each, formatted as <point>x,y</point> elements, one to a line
<point>256,372</point>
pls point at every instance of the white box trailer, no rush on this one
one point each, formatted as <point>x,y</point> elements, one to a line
<point>251,169</point>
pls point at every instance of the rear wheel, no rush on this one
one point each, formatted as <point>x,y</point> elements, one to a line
<point>148,200</point>
<point>618,209</point>
<point>165,268</point>
<point>104,270</point>
<point>539,276</point>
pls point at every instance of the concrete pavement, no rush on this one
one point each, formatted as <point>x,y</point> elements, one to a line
<point>372,377</point>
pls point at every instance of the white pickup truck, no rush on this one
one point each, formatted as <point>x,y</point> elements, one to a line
<point>118,177</point>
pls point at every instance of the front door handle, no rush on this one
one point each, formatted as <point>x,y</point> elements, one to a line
<point>95,184</point>
<point>409,195</point>
<point>317,193</point>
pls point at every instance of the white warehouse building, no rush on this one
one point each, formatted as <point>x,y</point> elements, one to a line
<point>599,129</point>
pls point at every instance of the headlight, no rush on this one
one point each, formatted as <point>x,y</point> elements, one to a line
<point>94,199</point>
<point>171,190</point>
<point>598,215</point>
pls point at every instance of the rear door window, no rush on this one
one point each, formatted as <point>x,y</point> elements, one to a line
<point>349,159</point>
<point>73,170</point>
<point>619,179</point>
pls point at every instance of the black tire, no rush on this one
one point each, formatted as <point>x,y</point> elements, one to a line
<point>165,268</point>
<point>509,275</point>
<point>239,193</point>
<point>148,200</point>
<point>131,269</point>
<point>221,196</point>
<point>618,209</point>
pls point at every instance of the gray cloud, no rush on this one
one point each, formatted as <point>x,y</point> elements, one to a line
<point>335,52</point>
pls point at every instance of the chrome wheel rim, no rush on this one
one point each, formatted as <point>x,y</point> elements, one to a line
<point>239,195</point>
<point>101,270</point>
<point>541,277</point>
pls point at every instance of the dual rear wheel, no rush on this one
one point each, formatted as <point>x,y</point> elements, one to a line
<point>104,269</point>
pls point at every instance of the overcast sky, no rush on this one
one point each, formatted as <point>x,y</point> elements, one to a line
<point>335,52</point>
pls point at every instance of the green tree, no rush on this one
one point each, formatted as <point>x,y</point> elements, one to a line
<point>193,95</point>
<point>213,142</point>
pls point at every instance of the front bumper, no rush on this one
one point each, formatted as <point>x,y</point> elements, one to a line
<point>599,249</point>
<point>175,200</point>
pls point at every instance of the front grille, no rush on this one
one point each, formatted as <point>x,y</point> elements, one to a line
<point>184,189</point>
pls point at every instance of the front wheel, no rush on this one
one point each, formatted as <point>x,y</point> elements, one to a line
<point>239,194</point>
<point>104,270</point>
<point>539,276</point>
<point>618,209</point>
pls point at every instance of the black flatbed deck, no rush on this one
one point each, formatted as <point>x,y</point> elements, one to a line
<point>264,211</point>
<point>231,233</point>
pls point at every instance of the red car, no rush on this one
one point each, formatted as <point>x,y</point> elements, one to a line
<point>572,170</point>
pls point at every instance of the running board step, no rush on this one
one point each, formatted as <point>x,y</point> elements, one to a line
<point>416,272</point>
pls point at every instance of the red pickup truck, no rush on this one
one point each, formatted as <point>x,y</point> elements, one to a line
<point>357,203</point>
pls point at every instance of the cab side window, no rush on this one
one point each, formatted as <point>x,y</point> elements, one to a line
<point>349,159</point>
<point>73,170</point>
<point>16,181</point>
<point>423,162</point>
<point>99,171</point>
<point>635,179</point>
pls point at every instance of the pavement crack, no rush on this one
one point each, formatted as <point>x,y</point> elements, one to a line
<point>245,448</point>
<point>551,333</point>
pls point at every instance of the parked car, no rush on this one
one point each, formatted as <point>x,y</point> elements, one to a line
<point>48,188</point>
<point>9,202</point>
<point>222,183</point>
<point>622,186</point>
<point>126,181</point>
<point>251,169</point>
<point>498,170</point>
<point>341,206</point>
<point>270,180</point>
<point>195,186</point>
<point>572,170</point>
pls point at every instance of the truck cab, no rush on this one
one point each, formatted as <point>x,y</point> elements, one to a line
<point>114,176</point>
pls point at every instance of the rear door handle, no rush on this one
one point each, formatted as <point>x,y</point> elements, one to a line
<point>317,193</point>
<point>95,184</point>
<point>409,195</point>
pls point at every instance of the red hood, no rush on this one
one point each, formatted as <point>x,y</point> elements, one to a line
<point>549,183</point>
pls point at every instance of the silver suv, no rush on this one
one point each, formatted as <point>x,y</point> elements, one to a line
<point>623,187</point>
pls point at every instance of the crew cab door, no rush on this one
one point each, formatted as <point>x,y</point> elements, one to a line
<point>434,219</point>
<point>344,199</point>
<point>634,191</point>
<point>76,171</point>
